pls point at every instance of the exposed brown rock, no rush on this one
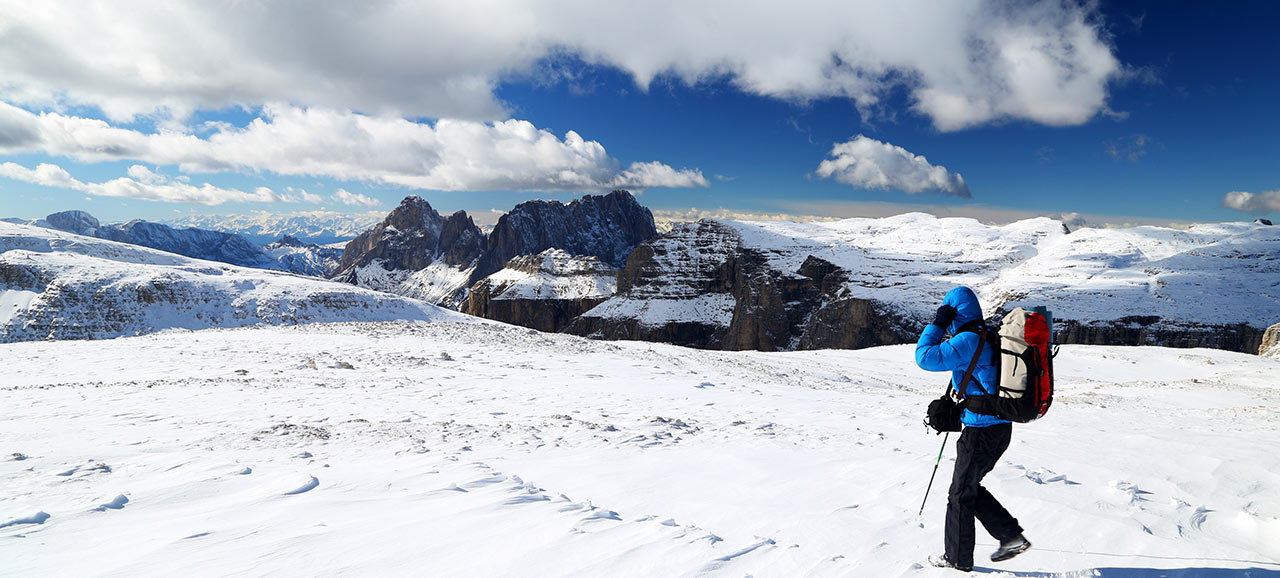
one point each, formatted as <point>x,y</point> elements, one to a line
<point>1270,346</point>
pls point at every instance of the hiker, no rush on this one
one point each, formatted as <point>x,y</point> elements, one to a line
<point>983,439</point>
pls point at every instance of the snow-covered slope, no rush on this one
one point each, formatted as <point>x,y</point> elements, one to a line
<point>553,274</point>
<point>443,449</point>
<point>262,228</point>
<point>295,256</point>
<point>1153,279</point>
<point>57,285</point>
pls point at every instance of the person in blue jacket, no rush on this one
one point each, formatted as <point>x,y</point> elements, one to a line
<point>983,439</point>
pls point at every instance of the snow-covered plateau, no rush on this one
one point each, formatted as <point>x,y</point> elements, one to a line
<point>1211,284</point>
<point>59,285</point>
<point>452,449</point>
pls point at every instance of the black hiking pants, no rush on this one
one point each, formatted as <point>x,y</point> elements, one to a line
<point>977,452</point>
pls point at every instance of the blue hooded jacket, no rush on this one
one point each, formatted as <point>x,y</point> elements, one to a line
<point>934,354</point>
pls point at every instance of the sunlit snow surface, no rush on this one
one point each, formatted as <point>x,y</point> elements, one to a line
<point>1209,274</point>
<point>446,449</point>
<point>57,285</point>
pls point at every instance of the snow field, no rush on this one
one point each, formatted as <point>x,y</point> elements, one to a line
<point>446,449</point>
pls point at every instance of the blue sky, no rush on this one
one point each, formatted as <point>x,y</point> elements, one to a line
<point>1112,113</point>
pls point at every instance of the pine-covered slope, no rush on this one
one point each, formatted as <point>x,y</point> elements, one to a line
<point>57,285</point>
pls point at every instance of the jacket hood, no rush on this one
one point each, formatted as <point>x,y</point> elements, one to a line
<point>966,304</point>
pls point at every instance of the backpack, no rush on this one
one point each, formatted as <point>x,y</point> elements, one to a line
<point>1025,390</point>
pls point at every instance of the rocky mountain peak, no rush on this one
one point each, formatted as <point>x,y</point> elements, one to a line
<point>78,222</point>
<point>412,237</point>
<point>287,241</point>
<point>607,227</point>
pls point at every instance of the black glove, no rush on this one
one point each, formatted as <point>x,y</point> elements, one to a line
<point>946,314</point>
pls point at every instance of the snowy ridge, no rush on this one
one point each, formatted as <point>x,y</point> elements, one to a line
<point>711,309</point>
<point>1210,274</point>
<point>1216,274</point>
<point>439,282</point>
<point>443,449</point>
<point>554,274</point>
<point>63,286</point>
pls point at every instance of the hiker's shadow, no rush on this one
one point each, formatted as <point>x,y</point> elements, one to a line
<point>1145,573</point>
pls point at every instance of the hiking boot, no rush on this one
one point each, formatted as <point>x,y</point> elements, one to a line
<point>1010,548</point>
<point>941,561</point>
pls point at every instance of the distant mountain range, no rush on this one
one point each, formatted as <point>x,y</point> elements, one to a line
<point>286,254</point>
<point>598,267</point>
<point>321,228</point>
<point>59,285</point>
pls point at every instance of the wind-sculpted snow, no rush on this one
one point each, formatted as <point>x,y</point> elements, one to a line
<point>62,286</point>
<point>448,449</point>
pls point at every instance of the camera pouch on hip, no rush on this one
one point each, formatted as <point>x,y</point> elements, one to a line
<point>944,414</point>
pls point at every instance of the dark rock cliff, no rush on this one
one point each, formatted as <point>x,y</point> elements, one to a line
<point>771,309</point>
<point>410,238</point>
<point>608,227</point>
<point>544,291</point>
<point>1151,330</point>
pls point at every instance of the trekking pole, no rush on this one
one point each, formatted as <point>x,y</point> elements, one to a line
<point>935,473</point>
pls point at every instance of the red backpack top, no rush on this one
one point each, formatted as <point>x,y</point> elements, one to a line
<point>1025,390</point>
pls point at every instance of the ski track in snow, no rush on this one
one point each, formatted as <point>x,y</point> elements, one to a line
<point>443,449</point>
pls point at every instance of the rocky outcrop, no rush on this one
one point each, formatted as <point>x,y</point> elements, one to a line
<point>1152,330</point>
<point>607,227</point>
<point>1270,346</point>
<point>412,237</point>
<point>78,222</point>
<point>415,252</point>
<point>700,287</point>
<point>544,291</point>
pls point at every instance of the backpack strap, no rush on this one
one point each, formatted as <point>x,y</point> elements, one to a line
<point>973,363</point>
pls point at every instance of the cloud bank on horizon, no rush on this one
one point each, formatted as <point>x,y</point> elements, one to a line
<point>404,93</point>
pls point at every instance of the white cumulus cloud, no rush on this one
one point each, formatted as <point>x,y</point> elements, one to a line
<point>44,174</point>
<point>355,199</point>
<point>872,164</point>
<point>1253,203</point>
<point>141,183</point>
<point>289,140</point>
<point>963,62</point>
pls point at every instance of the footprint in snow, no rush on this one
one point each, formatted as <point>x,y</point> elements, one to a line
<point>1135,494</point>
<point>1044,476</point>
